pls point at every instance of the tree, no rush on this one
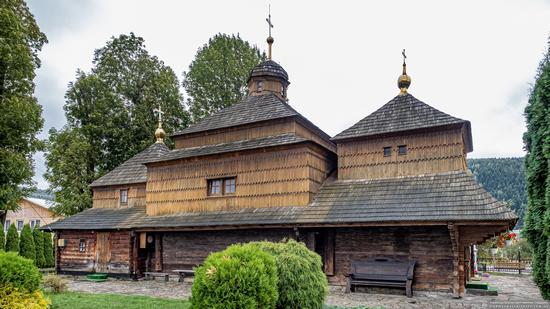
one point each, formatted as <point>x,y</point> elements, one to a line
<point>537,144</point>
<point>12,239</point>
<point>218,75</point>
<point>39,259</point>
<point>48,250</point>
<point>20,114</point>
<point>2,237</point>
<point>110,118</point>
<point>26,244</point>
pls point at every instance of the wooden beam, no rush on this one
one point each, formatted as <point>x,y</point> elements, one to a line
<point>158,252</point>
<point>329,252</point>
<point>453,233</point>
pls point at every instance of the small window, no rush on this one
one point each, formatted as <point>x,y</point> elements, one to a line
<point>36,223</point>
<point>221,186</point>
<point>387,151</point>
<point>260,85</point>
<point>32,224</point>
<point>124,197</point>
<point>19,225</point>
<point>7,226</point>
<point>82,245</point>
<point>402,150</point>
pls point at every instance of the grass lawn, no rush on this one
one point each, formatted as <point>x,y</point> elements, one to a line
<point>71,300</point>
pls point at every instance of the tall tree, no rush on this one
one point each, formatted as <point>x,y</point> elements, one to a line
<point>48,250</point>
<point>20,114</point>
<point>110,118</point>
<point>537,161</point>
<point>26,243</point>
<point>39,259</point>
<point>12,239</point>
<point>218,74</point>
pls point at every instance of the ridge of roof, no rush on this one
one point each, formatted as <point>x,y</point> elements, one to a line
<point>402,113</point>
<point>132,170</point>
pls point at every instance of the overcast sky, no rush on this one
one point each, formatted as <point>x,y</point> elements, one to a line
<point>472,59</point>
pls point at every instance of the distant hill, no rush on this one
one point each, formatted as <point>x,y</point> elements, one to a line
<point>43,194</point>
<point>504,178</point>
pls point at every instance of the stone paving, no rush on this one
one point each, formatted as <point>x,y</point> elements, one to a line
<point>514,292</point>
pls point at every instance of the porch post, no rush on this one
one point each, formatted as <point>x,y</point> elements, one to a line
<point>158,252</point>
<point>453,233</point>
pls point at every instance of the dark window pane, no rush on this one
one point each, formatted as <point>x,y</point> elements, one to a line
<point>19,225</point>
<point>387,151</point>
<point>230,185</point>
<point>402,150</point>
<point>7,226</point>
<point>214,186</point>
<point>82,245</point>
<point>124,196</point>
<point>37,223</point>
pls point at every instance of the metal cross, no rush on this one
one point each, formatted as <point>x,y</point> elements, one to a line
<point>269,20</point>
<point>159,113</point>
<point>404,56</point>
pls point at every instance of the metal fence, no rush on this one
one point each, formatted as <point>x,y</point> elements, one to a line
<point>505,265</point>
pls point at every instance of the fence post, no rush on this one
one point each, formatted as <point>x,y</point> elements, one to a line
<point>519,261</point>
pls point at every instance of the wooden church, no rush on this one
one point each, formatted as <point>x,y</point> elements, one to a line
<point>395,184</point>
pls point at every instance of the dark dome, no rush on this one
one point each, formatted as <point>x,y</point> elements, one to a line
<point>269,68</point>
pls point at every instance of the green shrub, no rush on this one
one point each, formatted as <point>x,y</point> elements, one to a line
<point>12,239</point>
<point>15,298</point>
<point>26,243</point>
<point>302,282</point>
<point>18,272</point>
<point>39,259</point>
<point>54,283</point>
<point>48,250</point>
<point>241,276</point>
<point>2,238</point>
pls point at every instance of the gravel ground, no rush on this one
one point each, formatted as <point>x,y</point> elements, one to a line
<point>514,292</point>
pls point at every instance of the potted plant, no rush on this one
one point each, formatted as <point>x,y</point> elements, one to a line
<point>508,238</point>
<point>494,251</point>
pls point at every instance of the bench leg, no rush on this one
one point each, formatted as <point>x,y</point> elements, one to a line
<point>166,278</point>
<point>408,288</point>
<point>348,287</point>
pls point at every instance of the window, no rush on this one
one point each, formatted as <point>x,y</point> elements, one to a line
<point>7,226</point>
<point>222,186</point>
<point>82,245</point>
<point>124,197</point>
<point>402,150</point>
<point>35,224</point>
<point>387,151</point>
<point>19,225</point>
<point>260,85</point>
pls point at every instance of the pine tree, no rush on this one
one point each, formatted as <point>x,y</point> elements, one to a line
<point>39,259</point>
<point>2,238</point>
<point>12,239</point>
<point>26,245</point>
<point>48,250</point>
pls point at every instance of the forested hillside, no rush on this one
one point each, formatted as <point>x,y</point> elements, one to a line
<point>504,178</point>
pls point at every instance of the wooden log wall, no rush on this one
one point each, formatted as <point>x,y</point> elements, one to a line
<point>427,152</point>
<point>121,252</point>
<point>429,246</point>
<point>70,258</point>
<point>187,249</point>
<point>287,176</point>
<point>109,197</point>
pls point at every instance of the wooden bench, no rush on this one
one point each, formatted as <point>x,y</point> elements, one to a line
<point>149,275</point>
<point>182,273</point>
<point>383,272</point>
<point>499,265</point>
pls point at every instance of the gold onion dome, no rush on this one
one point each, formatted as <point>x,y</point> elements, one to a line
<point>160,134</point>
<point>404,81</point>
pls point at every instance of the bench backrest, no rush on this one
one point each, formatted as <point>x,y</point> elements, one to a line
<point>382,268</point>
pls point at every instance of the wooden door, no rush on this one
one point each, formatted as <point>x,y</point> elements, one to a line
<point>103,252</point>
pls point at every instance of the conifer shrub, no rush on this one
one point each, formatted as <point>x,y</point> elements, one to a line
<point>2,238</point>
<point>39,259</point>
<point>26,243</point>
<point>18,272</point>
<point>241,276</point>
<point>12,239</point>
<point>48,250</point>
<point>302,282</point>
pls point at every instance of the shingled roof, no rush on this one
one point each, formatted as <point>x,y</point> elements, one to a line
<point>402,113</point>
<point>133,170</point>
<point>443,197</point>
<point>269,68</point>
<point>261,142</point>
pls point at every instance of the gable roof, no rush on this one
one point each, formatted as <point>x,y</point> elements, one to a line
<point>402,113</point>
<point>133,170</point>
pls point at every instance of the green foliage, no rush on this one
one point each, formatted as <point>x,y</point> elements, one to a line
<point>18,272</point>
<point>54,284</point>
<point>39,259</point>
<point>72,300</point>
<point>12,239</point>
<point>241,276</point>
<point>504,178</point>
<point>20,114</point>
<point>48,250</point>
<point>2,238</point>
<point>15,298</point>
<point>510,252</point>
<point>302,282</point>
<point>217,76</point>
<point>110,118</point>
<point>26,243</point>
<point>537,144</point>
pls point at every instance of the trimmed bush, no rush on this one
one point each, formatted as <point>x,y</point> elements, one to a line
<point>54,283</point>
<point>26,243</point>
<point>18,272</point>
<point>302,282</point>
<point>241,276</point>
<point>12,239</point>
<point>48,250</point>
<point>15,298</point>
<point>2,238</point>
<point>39,259</point>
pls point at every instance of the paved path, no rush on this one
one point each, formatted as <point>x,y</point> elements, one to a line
<point>514,292</point>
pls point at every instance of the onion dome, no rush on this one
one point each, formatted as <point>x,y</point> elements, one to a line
<point>269,68</point>
<point>160,134</point>
<point>404,81</point>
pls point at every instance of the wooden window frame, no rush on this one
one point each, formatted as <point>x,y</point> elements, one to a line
<point>400,148</point>
<point>121,203</point>
<point>82,245</point>
<point>17,225</point>
<point>387,148</point>
<point>222,190</point>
